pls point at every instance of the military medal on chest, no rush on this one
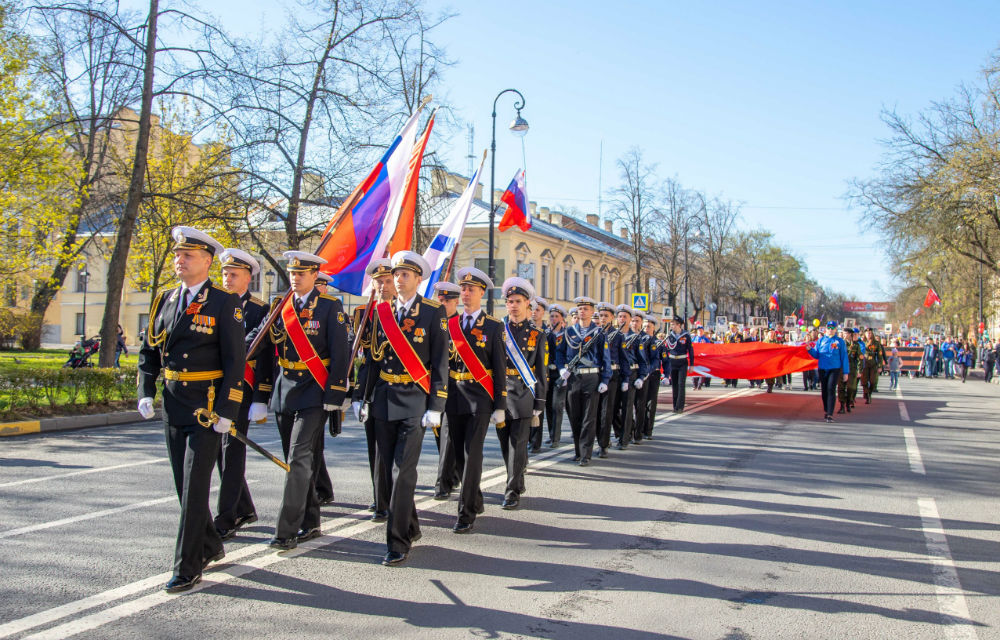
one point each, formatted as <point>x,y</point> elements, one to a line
<point>202,323</point>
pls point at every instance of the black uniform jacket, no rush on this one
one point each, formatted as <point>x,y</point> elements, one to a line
<point>535,347</point>
<point>554,338</point>
<point>680,348</point>
<point>466,396</point>
<point>597,356</point>
<point>206,338</point>
<point>425,327</point>
<point>614,338</point>
<point>295,389</point>
<point>254,314</point>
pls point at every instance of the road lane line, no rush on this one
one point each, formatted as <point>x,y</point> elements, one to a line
<point>903,413</point>
<point>950,597</point>
<point>346,527</point>
<point>913,452</point>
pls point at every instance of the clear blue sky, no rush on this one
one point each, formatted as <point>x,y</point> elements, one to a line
<point>775,105</point>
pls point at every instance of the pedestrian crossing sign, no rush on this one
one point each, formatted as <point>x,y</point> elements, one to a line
<point>640,301</point>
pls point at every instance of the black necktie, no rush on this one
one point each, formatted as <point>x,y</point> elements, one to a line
<point>298,305</point>
<point>402,313</point>
<point>468,322</point>
<point>184,302</point>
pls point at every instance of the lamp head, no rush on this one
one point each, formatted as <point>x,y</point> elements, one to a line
<point>519,126</point>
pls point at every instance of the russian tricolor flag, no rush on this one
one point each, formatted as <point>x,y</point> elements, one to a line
<point>362,233</point>
<point>772,302</point>
<point>517,205</point>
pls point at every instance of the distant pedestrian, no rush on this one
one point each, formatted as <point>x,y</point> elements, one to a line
<point>895,366</point>
<point>831,353</point>
<point>989,361</point>
<point>120,347</point>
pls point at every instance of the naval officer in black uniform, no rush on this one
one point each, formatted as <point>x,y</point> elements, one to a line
<point>312,328</point>
<point>608,402</point>
<point>680,351</point>
<point>406,385</point>
<point>656,352</point>
<point>450,460</point>
<point>555,392</point>
<point>473,400</point>
<point>196,340</point>
<point>235,505</point>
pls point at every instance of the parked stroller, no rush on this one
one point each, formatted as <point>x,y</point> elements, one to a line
<point>79,356</point>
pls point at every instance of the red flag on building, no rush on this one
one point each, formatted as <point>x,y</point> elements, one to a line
<point>932,298</point>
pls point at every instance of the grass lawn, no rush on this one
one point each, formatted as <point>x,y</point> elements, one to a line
<point>49,358</point>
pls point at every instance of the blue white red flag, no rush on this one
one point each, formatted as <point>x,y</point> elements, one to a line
<point>772,302</point>
<point>440,250</point>
<point>516,199</point>
<point>362,233</point>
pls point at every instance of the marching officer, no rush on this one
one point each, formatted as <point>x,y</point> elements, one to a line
<point>873,362</point>
<point>606,407</point>
<point>555,395</point>
<point>539,313</point>
<point>450,459</point>
<point>645,366</point>
<point>313,356</point>
<point>476,390</point>
<point>585,366</point>
<point>680,350</point>
<point>628,360</point>
<point>406,389</point>
<point>527,352</point>
<point>324,485</point>
<point>235,506</point>
<point>656,353</point>
<point>196,340</point>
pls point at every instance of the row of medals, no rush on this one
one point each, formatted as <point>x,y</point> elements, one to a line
<point>202,324</point>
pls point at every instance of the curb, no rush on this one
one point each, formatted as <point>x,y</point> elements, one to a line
<point>70,423</point>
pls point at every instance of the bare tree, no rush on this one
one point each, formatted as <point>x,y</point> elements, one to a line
<point>634,203</point>
<point>672,226</point>
<point>717,220</point>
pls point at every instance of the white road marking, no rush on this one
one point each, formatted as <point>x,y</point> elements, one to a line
<point>913,452</point>
<point>343,527</point>
<point>950,597</point>
<point>903,413</point>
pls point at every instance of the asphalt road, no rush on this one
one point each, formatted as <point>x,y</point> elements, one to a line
<point>746,517</point>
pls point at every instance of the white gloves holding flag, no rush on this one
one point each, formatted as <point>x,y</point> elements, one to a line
<point>638,383</point>
<point>146,408</point>
<point>624,387</point>
<point>602,388</point>
<point>258,412</point>
<point>431,419</point>
<point>564,373</point>
<point>498,417</point>
<point>223,425</point>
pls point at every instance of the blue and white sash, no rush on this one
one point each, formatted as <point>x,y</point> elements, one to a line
<point>517,358</point>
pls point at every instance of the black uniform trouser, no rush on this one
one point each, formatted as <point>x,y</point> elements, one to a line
<point>324,485</point>
<point>625,410</point>
<point>639,410</point>
<point>555,403</point>
<point>652,390</point>
<point>301,437</point>
<point>467,433</point>
<point>606,411</point>
<point>678,381</point>
<point>451,458</point>
<point>234,494</point>
<point>581,404</point>
<point>989,370</point>
<point>828,379</point>
<point>193,451</point>
<point>399,443</point>
<point>513,437</point>
<point>381,486</point>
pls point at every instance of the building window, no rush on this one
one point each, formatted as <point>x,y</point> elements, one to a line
<point>603,290</point>
<point>586,285</point>
<point>81,281</point>
<point>255,282</point>
<point>143,322</point>
<point>10,294</point>
<point>545,281</point>
<point>576,284</point>
<point>483,264</point>
<point>80,329</point>
<point>566,284</point>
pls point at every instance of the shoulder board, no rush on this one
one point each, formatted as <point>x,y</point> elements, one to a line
<point>431,303</point>
<point>257,301</point>
<point>327,296</point>
<point>489,317</point>
<point>215,286</point>
<point>163,293</point>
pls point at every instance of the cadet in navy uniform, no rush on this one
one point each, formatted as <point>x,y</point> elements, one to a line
<point>474,401</point>
<point>606,408</point>
<point>633,363</point>
<point>539,313</point>
<point>196,340</point>
<point>527,357</point>
<point>587,379</point>
<point>450,460</point>
<point>311,328</point>
<point>380,272</point>
<point>324,485</point>
<point>555,397</point>
<point>235,506</point>
<point>655,353</point>
<point>680,350</point>
<point>406,384</point>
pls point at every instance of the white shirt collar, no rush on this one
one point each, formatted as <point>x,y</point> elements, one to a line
<point>405,304</point>
<point>193,289</point>
<point>471,314</point>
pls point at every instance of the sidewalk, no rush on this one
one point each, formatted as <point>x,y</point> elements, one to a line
<point>69,423</point>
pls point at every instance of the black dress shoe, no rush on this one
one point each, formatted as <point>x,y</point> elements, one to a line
<point>226,534</point>
<point>394,558</point>
<point>602,453</point>
<point>371,507</point>
<point>649,437</point>
<point>380,516</point>
<point>441,494</point>
<point>324,501</point>
<point>308,534</point>
<point>462,527</point>
<point>585,462</point>
<point>214,558</point>
<point>181,583</point>
<point>284,544</point>
<point>576,458</point>
<point>535,449</point>
<point>244,520</point>
<point>637,441</point>
<point>416,538</point>
<point>554,444</point>
<point>510,503</point>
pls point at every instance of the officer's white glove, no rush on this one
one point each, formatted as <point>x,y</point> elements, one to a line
<point>330,408</point>
<point>498,417</point>
<point>346,404</point>
<point>223,425</point>
<point>624,387</point>
<point>564,373</point>
<point>536,412</point>
<point>431,419</point>
<point>258,412</point>
<point>602,388</point>
<point>638,383</point>
<point>356,407</point>
<point>146,408</point>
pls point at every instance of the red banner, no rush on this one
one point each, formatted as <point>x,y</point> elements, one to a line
<point>749,360</point>
<point>867,307</point>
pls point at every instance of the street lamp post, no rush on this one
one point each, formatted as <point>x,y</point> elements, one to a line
<point>269,278</point>
<point>519,127</point>
<point>84,279</point>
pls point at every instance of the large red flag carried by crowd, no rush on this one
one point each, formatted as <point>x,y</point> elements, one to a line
<point>750,360</point>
